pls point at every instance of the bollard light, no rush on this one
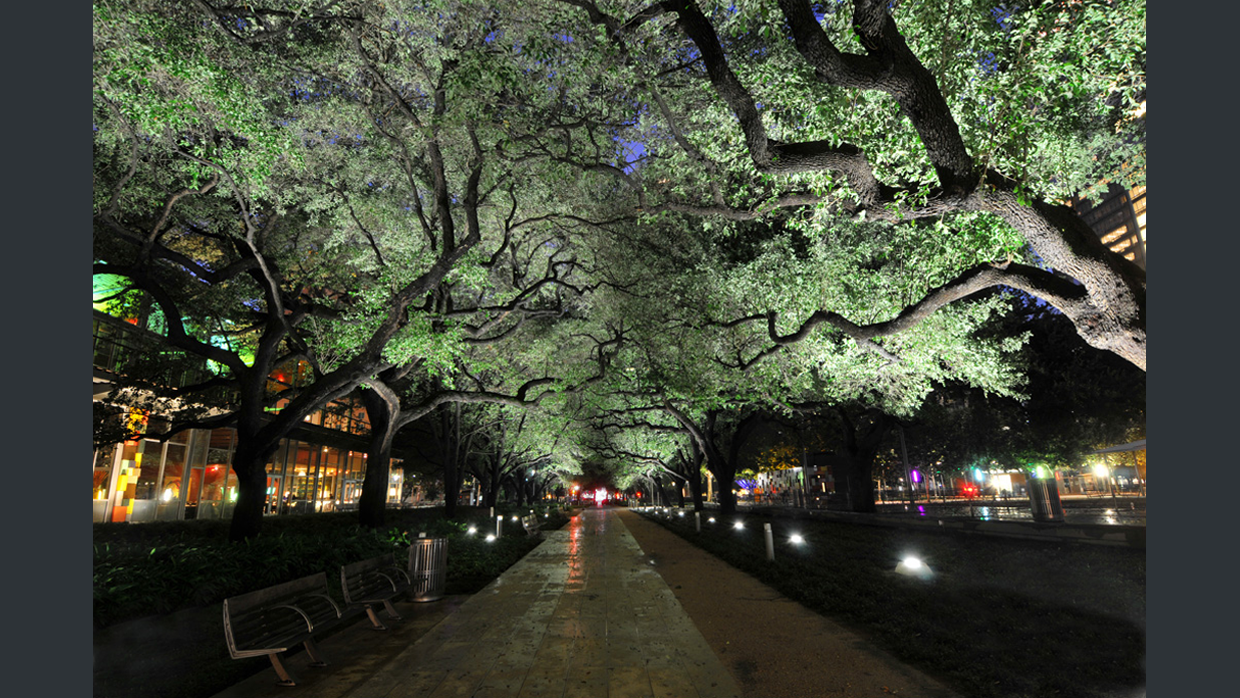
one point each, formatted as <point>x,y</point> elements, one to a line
<point>912,566</point>
<point>770,542</point>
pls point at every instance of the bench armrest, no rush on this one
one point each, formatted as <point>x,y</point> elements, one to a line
<point>309,623</point>
<point>330,600</point>
<point>396,577</point>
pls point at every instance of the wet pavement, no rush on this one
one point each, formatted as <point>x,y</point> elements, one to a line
<point>583,615</point>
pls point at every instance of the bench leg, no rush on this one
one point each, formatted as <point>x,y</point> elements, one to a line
<point>285,678</point>
<point>391,610</point>
<point>374,618</point>
<point>316,659</point>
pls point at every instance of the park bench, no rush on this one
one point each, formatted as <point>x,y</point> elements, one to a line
<point>373,582</point>
<point>277,618</point>
<point>530,523</point>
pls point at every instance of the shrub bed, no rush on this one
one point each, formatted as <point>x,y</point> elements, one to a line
<point>159,568</point>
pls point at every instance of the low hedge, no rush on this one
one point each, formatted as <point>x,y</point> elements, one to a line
<point>159,568</point>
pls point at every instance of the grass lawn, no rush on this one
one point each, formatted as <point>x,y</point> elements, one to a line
<point>1000,617</point>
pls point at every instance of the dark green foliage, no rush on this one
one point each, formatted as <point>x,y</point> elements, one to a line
<point>1002,617</point>
<point>159,568</point>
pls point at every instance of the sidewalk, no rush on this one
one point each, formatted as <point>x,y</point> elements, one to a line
<point>588,614</point>
<point>582,616</point>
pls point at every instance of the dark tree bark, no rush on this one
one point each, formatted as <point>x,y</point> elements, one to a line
<point>448,434</point>
<point>855,461</point>
<point>693,473</point>
<point>720,460</point>
<point>382,409</point>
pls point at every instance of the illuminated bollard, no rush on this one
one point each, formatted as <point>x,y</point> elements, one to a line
<point>499,526</point>
<point>697,521</point>
<point>770,542</point>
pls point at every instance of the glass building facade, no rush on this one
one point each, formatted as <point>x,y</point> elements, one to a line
<point>189,476</point>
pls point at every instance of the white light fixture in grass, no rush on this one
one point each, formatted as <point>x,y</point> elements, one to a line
<point>738,525</point>
<point>796,539</point>
<point>711,519</point>
<point>490,537</point>
<point>912,566</point>
<point>473,530</point>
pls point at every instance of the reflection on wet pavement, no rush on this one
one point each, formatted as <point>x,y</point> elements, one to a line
<point>583,615</point>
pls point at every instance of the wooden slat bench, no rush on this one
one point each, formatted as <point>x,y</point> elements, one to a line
<point>272,620</point>
<point>372,582</point>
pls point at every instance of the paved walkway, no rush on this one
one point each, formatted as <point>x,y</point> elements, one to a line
<point>584,615</point>
<point>588,614</point>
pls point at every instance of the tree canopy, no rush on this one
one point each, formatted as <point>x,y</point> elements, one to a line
<point>668,216</point>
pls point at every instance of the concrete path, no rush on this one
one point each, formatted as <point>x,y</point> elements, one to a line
<point>589,614</point>
<point>584,615</point>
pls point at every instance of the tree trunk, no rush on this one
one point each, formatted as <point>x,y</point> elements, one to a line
<point>373,502</point>
<point>724,479</point>
<point>250,465</point>
<point>695,482</point>
<point>449,420</point>
<point>857,477</point>
<point>857,460</point>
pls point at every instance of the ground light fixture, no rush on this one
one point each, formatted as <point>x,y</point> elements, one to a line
<point>738,525</point>
<point>912,566</point>
<point>472,530</point>
<point>796,539</point>
<point>711,519</point>
<point>490,537</point>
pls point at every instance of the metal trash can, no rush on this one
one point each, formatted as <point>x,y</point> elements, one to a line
<point>428,568</point>
<point>1044,500</point>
